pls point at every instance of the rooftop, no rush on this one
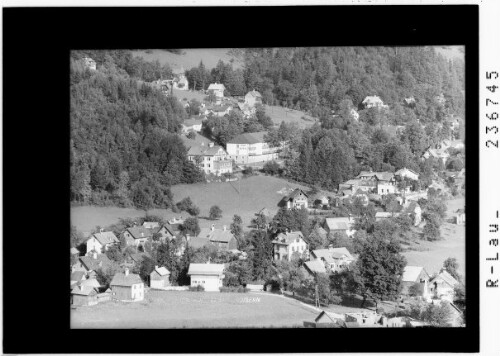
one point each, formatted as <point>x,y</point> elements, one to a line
<point>315,266</point>
<point>140,232</point>
<point>120,279</point>
<point>288,237</point>
<point>411,273</point>
<point>249,138</point>
<point>209,269</point>
<point>106,237</point>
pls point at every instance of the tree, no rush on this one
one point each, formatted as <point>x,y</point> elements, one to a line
<point>185,204</point>
<point>114,253</point>
<point>316,239</point>
<point>379,269</point>
<point>451,266</point>
<point>262,254</point>
<point>147,266</point>
<point>436,315</point>
<point>215,212</point>
<point>236,227</point>
<point>291,220</point>
<point>191,227</point>
<point>323,285</point>
<point>431,229</point>
<point>104,276</point>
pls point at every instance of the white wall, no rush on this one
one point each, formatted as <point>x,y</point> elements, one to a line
<point>93,244</point>
<point>210,283</point>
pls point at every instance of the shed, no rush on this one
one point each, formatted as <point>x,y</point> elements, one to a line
<point>159,278</point>
<point>208,275</point>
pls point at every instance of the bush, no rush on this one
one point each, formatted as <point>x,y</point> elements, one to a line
<point>335,299</point>
<point>198,288</point>
<point>239,289</point>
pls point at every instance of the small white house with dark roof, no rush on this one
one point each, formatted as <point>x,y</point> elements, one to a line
<point>127,286</point>
<point>285,244</point>
<point>336,259</point>
<point>100,241</point>
<point>159,278</point>
<point>252,98</point>
<point>137,235</point>
<point>442,286</point>
<point>412,275</point>
<point>295,200</point>
<point>208,275</point>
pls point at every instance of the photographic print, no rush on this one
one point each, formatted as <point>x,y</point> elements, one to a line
<point>304,187</point>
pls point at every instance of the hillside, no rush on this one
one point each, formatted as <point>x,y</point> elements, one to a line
<point>452,52</point>
<point>190,57</point>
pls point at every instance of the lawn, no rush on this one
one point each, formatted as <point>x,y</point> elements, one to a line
<point>189,95</point>
<point>433,254</point>
<point>174,309</point>
<point>255,193</point>
<point>191,58</point>
<point>279,114</point>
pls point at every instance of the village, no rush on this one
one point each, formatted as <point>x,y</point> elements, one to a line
<point>123,263</point>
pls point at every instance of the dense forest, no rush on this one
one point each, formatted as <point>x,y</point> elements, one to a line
<point>124,148</point>
<point>124,144</point>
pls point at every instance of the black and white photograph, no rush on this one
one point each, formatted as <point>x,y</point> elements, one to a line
<point>318,187</point>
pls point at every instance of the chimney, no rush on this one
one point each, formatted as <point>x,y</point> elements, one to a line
<point>210,144</point>
<point>224,227</point>
<point>126,271</point>
<point>81,287</point>
<point>212,227</point>
<point>94,255</point>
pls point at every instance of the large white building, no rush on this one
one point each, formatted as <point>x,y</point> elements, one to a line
<point>208,275</point>
<point>251,148</point>
<point>211,159</point>
<point>285,244</point>
<point>217,89</point>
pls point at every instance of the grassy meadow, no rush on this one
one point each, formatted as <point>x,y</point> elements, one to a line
<point>244,197</point>
<point>179,309</point>
<point>279,114</point>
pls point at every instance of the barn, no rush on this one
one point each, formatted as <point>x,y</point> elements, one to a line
<point>159,278</point>
<point>84,295</point>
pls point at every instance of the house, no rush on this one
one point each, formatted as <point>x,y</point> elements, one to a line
<point>380,182</point>
<point>137,235</point>
<point>208,275</point>
<point>211,159</point>
<point>77,277</point>
<point>91,282</point>
<point>91,263</point>
<point>381,215</point>
<point>181,82</point>
<point>337,259</point>
<point>460,217</point>
<point>167,231</point>
<point>314,267</point>
<point>339,224</point>
<point>253,98</point>
<point>251,148</point>
<point>222,238</point>
<point>295,200</point>
<point>151,224</point>
<point>219,110</point>
<point>138,257</point>
<point>83,295</point>
<point>412,275</point>
<point>127,286</point>
<point>326,320</point>
<point>365,319</point>
<point>407,173</point>
<point>246,109</point>
<point>442,286</point>
<point>192,125</point>
<point>285,244</point>
<point>438,154</point>
<point>409,101</point>
<point>217,89</point>
<point>353,185</point>
<point>373,102</point>
<point>354,114</point>
<point>415,210</point>
<point>101,241</point>
<point>89,63</point>
<point>159,278</point>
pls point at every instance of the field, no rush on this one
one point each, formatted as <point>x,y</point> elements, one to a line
<point>255,193</point>
<point>162,309</point>
<point>191,58</point>
<point>433,254</point>
<point>279,114</point>
<point>189,95</point>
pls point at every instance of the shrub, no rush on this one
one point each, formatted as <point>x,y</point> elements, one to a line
<point>335,299</point>
<point>198,288</point>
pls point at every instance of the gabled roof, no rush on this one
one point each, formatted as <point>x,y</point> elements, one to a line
<point>77,275</point>
<point>106,237</point>
<point>320,231</point>
<point>204,150</point>
<point>384,214</point>
<point>446,277</point>
<point>216,86</point>
<point>315,266</point>
<point>91,264</point>
<point>335,253</point>
<point>295,193</point>
<point>137,257</point>
<point>120,279</point>
<point>91,282</point>
<point>84,290</point>
<point>207,269</point>
<point>74,251</point>
<point>265,212</point>
<point>411,273</point>
<point>162,271</point>
<point>339,223</point>
<point>404,170</point>
<point>288,237</point>
<point>332,316</point>
<point>254,93</point>
<point>249,138</point>
<point>140,232</point>
<point>218,235</point>
<point>191,122</point>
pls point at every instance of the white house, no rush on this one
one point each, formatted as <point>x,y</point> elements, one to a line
<point>285,244</point>
<point>217,89</point>
<point>407,173</point>
<point>295,200</point>
<point>373,102</point>
<point>159,277</point>
<point>208,275</point>
<point>211,159</point>
<point>127,286</point>
<point>137,235</point>
<point>336,259</point>
<point>442,286</point>
<point>250,148</point>
<point>192,125</point>
<point>101,240</point>
<point>460,217</point>
<point>252,98</point>
<point>385,188</point>
<point>354,114</point>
